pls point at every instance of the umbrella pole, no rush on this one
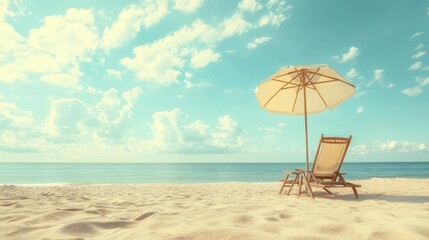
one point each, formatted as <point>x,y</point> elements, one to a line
<point>306,142</point>
<point>305,117</point>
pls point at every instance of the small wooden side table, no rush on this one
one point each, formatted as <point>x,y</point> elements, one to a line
<point>300,178</point>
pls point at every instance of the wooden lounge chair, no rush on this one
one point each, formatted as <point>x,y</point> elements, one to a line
<point>325,172</point>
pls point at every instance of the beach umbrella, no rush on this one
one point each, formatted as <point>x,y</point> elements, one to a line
<point>303,90</point>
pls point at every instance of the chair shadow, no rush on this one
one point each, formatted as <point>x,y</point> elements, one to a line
<point>371,196</point>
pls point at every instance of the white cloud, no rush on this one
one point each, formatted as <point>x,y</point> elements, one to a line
<point>188,84</point>
<point>418,55</point>
<point>160,62</point>
<point>278,128</point>
<point>414,91</point>
<point>235,25</point>
<point>12,72</point>
<point>360,149</point>
<point>130,98</point>
<point>390,85</point>
<point>352,73</point>
<point>53,50</point>
<point>249,5</point>
<point>188,75</point>
<point>400,146</point>
<point>114,73</point>
<point>62,80</point>
<point>10,40</point>
<point>164,60</point>
<point>235,90</point>
<point>110,99</point>
<point>165,127</point>
<point>187,6</point>
<point>257,41</point>
<point>348,56</point>
<point>172,132</point>
<point>11,115</point>
<point>417,34</point>
<point>17,129</point>
<point>378,74</point>
<point>276,13</point>
<point>154,11</point>
<point>114,113</point>
<point>58,36</point>
<point>228,135</point>
<point>378,78</point>
<point>415,66</point>
<point>420,46</point>
<point>71,120</point>
<point>270,133</point>
<point>130,21</point>
<point>422,81</point>
<point>3,8</point>
<point>125,28</point>
<point>12,8</point>
<point>360,110</point>
<point>155,64</point>
<point>41,63</point>
<point>108,106</point>
<point>202,58</point>
<point>66,119</point>
<point>92,90</point>
<point>20,141</point>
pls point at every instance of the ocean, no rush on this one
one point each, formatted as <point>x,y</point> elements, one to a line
<point>130,173</point>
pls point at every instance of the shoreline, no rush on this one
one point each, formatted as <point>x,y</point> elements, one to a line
<point>387,209</point>
<point>186,183</point>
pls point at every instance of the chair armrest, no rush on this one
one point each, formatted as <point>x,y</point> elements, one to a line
<point>302,170</point>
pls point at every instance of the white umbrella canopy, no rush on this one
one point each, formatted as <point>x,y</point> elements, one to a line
<point>302,90</point>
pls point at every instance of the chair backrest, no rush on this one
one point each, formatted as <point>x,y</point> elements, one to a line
<point>330,156</point>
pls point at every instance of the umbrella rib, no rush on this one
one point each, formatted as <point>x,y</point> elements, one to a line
<point>278,80</point>
<point>315,89</point>
<point>279,89</point>
<point>333,79</point>
<point>289,73</point>
<point>296,96</point>
<point>285,88</point>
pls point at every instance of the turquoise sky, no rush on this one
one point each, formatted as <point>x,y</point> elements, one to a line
<point>174,81</point>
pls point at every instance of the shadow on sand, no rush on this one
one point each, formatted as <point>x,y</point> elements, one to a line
<point>375,197</point>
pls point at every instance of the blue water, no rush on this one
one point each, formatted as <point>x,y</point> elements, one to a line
<point>119,173</point>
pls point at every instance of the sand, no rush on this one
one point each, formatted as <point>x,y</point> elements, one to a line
<point>387,209</point>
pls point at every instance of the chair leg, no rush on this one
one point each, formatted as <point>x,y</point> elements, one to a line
<point>291,186</point>
<point>327,190</point>
<point>299,185</point>
<point>355,192</point>
<point>308,187</point>
<point>284,183</point>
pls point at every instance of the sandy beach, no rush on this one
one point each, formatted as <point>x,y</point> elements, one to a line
<point>387,209</point>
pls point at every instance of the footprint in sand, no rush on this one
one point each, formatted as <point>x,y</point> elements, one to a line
<point>271,219</point>
<point>144,216</point>
<point>284,216</point>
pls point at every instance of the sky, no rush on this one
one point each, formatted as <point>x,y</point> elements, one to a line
<point>174,80</point>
